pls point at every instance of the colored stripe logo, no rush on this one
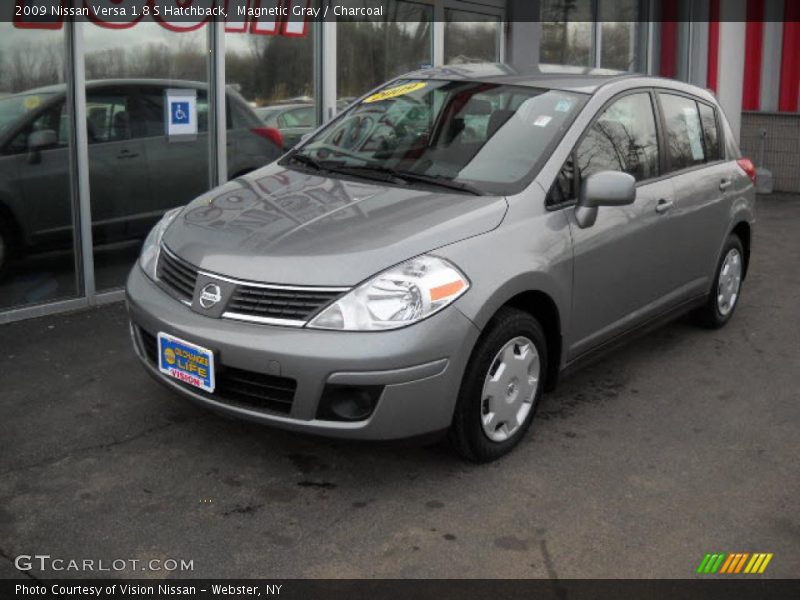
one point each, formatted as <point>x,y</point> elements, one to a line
<point>734,563</point>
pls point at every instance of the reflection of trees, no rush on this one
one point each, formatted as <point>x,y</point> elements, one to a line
<point>369,53</point>
<point>182,58</point>
<point>470,41</point>
<point>28,65</point>
<point>613,145</point>
<point>273,68</point>
<point>567,32</point>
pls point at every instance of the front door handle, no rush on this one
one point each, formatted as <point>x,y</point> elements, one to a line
<point>664,205</point>
<point>127,154</point>
<point>725,184</point>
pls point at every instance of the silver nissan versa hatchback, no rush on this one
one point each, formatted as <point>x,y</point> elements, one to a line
<point>433,258</point>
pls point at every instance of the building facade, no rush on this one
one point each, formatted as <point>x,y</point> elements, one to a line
<point>91,154</point>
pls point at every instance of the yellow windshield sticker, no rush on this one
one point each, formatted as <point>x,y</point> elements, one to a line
<point>396,91</point>
<point>32,102</point>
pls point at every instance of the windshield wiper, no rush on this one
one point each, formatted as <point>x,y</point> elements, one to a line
<point>378,172</point>
<point>306,160</point>
<point>411,176</point>
<point>437,180</point>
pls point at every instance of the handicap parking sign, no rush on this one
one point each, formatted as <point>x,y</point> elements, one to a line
<point>180,113</point>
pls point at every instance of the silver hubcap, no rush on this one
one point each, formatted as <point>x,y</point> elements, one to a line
<point>730,279</point>
<point>509,389</point>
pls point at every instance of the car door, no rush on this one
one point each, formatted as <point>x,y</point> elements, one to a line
<point>701,179</point>
<point>619,262</point>
<point>40,186</point>
<point>178,168</point>
<point>118,168</point>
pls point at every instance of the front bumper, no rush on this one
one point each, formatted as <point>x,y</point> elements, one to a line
<point>420,367</point>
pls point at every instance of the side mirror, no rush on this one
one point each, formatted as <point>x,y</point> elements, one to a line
<point>38,141</point>
<point>606,188</point>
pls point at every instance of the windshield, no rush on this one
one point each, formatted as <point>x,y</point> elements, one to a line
<point>489,137</point>
<point>13,107</point>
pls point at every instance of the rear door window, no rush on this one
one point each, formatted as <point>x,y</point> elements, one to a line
<point>108,115</point>
<point>684,133</point>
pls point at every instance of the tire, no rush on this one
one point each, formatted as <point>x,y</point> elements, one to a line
<point>487,426</point>
<point>727,288</point>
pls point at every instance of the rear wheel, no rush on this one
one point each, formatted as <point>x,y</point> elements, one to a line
<point>501,388</point>
<point>727,287</point>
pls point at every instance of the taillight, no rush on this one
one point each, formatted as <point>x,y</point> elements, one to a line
<point>271,134</point>
<point>748,167</point>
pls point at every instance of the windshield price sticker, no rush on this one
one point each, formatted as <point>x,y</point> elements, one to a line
<point>394,92</point>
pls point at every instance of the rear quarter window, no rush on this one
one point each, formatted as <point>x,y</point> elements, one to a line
<point>710,132</point>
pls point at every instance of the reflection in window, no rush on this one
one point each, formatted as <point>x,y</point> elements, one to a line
<point>588,33</point>
<point>566,32</point>
<point>485,135</point>
<point>371,50</point>
<point>618,41</point>
<point>622,139</point>
<point>684,135</point>
<point>707,116</point>
<point>136,172</point>
<point>471,37</point>
<point>37,237</point>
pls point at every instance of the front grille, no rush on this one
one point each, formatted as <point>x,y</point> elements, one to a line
<point>272,303</point>
<point>249,301</point>
<point>177,275</point>
<point>237,386</point>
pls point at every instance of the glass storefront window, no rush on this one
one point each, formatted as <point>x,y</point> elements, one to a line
<point>566,32</point>
<point>471,37</point>
<point>588,33</point>
<point>136,170</point>
<point>371,50</point>
<point>37,220</point>
<point>619,34</point>
<point>274,74</point>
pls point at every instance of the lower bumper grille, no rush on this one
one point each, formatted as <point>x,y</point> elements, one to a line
<point>237,386</point>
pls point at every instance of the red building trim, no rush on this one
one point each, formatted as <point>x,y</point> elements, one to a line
<point>753,47</point>
<point>712,71</point>
<point>790,61</point>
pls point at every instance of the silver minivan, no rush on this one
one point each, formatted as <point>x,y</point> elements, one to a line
<point>435,257</point>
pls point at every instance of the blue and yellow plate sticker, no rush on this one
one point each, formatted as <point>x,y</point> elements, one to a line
<point>186,362</point>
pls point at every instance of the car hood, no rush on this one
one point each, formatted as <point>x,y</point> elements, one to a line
<point>278,225</point>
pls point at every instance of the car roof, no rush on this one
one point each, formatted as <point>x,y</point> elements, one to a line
<point>558,77</point>
<point>284,107</point>
<point>179,83</point>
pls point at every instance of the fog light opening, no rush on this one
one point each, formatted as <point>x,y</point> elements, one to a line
<point>348,402</point>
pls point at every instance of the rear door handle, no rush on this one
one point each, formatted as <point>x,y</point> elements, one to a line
<point>664,205</point>
<point>127,154</point>
<point>725,184</point>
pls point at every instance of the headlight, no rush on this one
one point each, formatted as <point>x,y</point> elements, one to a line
<point>148,260</point>
<point>405,294</point>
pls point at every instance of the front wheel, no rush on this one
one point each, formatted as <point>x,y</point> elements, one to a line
<point>727,287</point>
<point>501,388</point>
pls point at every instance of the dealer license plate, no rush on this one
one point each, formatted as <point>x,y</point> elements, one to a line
<point>186,362</point>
